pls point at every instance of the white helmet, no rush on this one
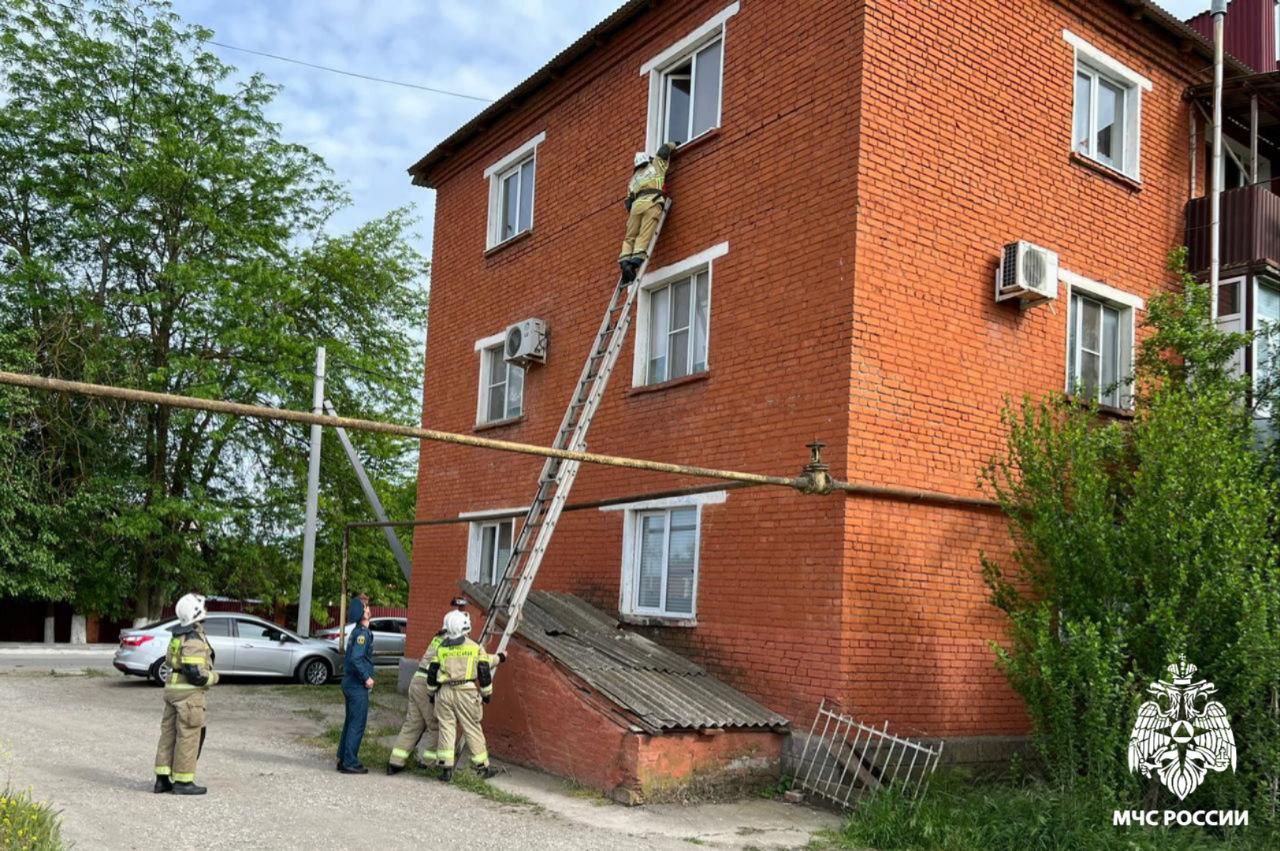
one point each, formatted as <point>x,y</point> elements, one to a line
<point>457,624</point>
<point>190,609</point>
<point>641,159</point>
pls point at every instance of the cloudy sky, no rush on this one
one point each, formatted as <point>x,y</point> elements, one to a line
<point>370,132</point>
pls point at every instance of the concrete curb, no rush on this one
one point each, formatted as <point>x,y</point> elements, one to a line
<point>57,650</point>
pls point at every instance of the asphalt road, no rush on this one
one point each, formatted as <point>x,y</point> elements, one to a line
<point>86,744</point>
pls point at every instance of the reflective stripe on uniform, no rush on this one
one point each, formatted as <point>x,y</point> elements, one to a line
<point>162,770</point>
<point>480,758</point>
<point>399,753</point>
<point>430,756</point>
<point>194,660</point>
<point>179,777</point>
<point>422,674</point>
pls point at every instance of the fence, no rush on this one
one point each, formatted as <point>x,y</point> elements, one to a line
<point>842,771</point>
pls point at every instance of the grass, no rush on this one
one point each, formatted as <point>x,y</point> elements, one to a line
<point>467,779</point>
<point>28,825</point>
<point>95,672</point>
<point>574,789</point>
<point>959,814</point>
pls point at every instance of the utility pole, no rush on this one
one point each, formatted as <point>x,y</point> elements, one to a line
<point>1219,10</point>
<point>313,501</point>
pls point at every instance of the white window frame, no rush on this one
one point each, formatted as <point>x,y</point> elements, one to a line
<point>475,535</point>
<point>659,278</point>
<point>1128,305</point>
<point>1261,411</point>
<point>496,173</point>
<point>657,67</point>
<point>485,348</point>
<point>632,513</point>
<point>1099,65</point>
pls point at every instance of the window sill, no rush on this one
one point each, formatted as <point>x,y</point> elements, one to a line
<point>489,426</point>
<point>692,144</point>
<point>658,620</point>
<point>1108,411</point>
<point>1124,180</point>
<point>668,385</point>
<point>501,246</point>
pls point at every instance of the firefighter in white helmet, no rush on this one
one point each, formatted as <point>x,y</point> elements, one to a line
<point>420,715</point>
<point>182,729</point>
<point>646,197</point>
<point>461,675</point>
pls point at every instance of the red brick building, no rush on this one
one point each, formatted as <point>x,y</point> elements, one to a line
<point>852,173</point>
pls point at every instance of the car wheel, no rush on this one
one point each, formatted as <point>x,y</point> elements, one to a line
<point>313,672</point>
<point>160,671</point>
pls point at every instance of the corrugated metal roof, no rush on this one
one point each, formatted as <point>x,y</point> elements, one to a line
<point>600,33</point>
<point>660,688</point>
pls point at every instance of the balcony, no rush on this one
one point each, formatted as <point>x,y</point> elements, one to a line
<point>1250,229</point>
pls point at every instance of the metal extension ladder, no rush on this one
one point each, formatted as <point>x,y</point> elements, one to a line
<point>558,474</point>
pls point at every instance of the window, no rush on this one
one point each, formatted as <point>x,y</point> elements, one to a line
<point>691,95</point>
<point>1100,322</point>
<point>673,319</point>
<point>490,549</point>
<point>511,192</point>
<point>218,627</point>
<point>666,561</point>
<point>501,384</point>
<point>1107,112</point>
<point>515,191</point>
<point>678,328</point>
<point>685,84</point>
<point>253,630</point>
<point>1266,344</point>
<point>660,543</point>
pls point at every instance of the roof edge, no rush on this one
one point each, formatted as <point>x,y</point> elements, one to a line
<point>422,172</point>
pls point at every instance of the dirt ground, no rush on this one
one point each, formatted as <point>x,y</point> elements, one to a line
<point>86,744</point>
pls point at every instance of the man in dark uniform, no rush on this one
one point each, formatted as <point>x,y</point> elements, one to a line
<point>357,680</point>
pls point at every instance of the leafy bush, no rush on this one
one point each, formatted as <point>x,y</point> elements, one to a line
<point>1139,541</point>
<point>27,825</point>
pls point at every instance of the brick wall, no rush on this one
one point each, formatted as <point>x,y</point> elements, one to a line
<point>873,158</point>
<point>965,135</point>
<point>775,182</point>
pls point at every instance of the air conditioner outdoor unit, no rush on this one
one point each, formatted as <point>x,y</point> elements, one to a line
<point>526,343</point>
<point>1028,273</point>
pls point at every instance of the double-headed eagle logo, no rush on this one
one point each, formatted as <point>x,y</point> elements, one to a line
<point>1181,735</point>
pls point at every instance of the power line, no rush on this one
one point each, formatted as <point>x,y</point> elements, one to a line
<point>352,73</point>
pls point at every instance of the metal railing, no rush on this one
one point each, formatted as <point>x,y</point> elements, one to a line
<point>843,770</point>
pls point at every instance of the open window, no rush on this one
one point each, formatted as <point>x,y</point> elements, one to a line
<point>1107,114</point>
<point>685,84</point>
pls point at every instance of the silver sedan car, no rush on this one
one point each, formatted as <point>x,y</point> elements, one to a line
<point>243,645</point>
<point>388,638</point>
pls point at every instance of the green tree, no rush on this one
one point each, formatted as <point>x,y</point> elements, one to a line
<point>158,233</point>
<point>1139,541</point>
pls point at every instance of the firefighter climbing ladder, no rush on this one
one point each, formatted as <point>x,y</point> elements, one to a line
<point>557,477</point>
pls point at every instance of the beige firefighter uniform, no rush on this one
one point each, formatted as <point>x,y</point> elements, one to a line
<point>420,717</point>
<point>646,197</point>
<point>191,660</point>
<point>463,675</point>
